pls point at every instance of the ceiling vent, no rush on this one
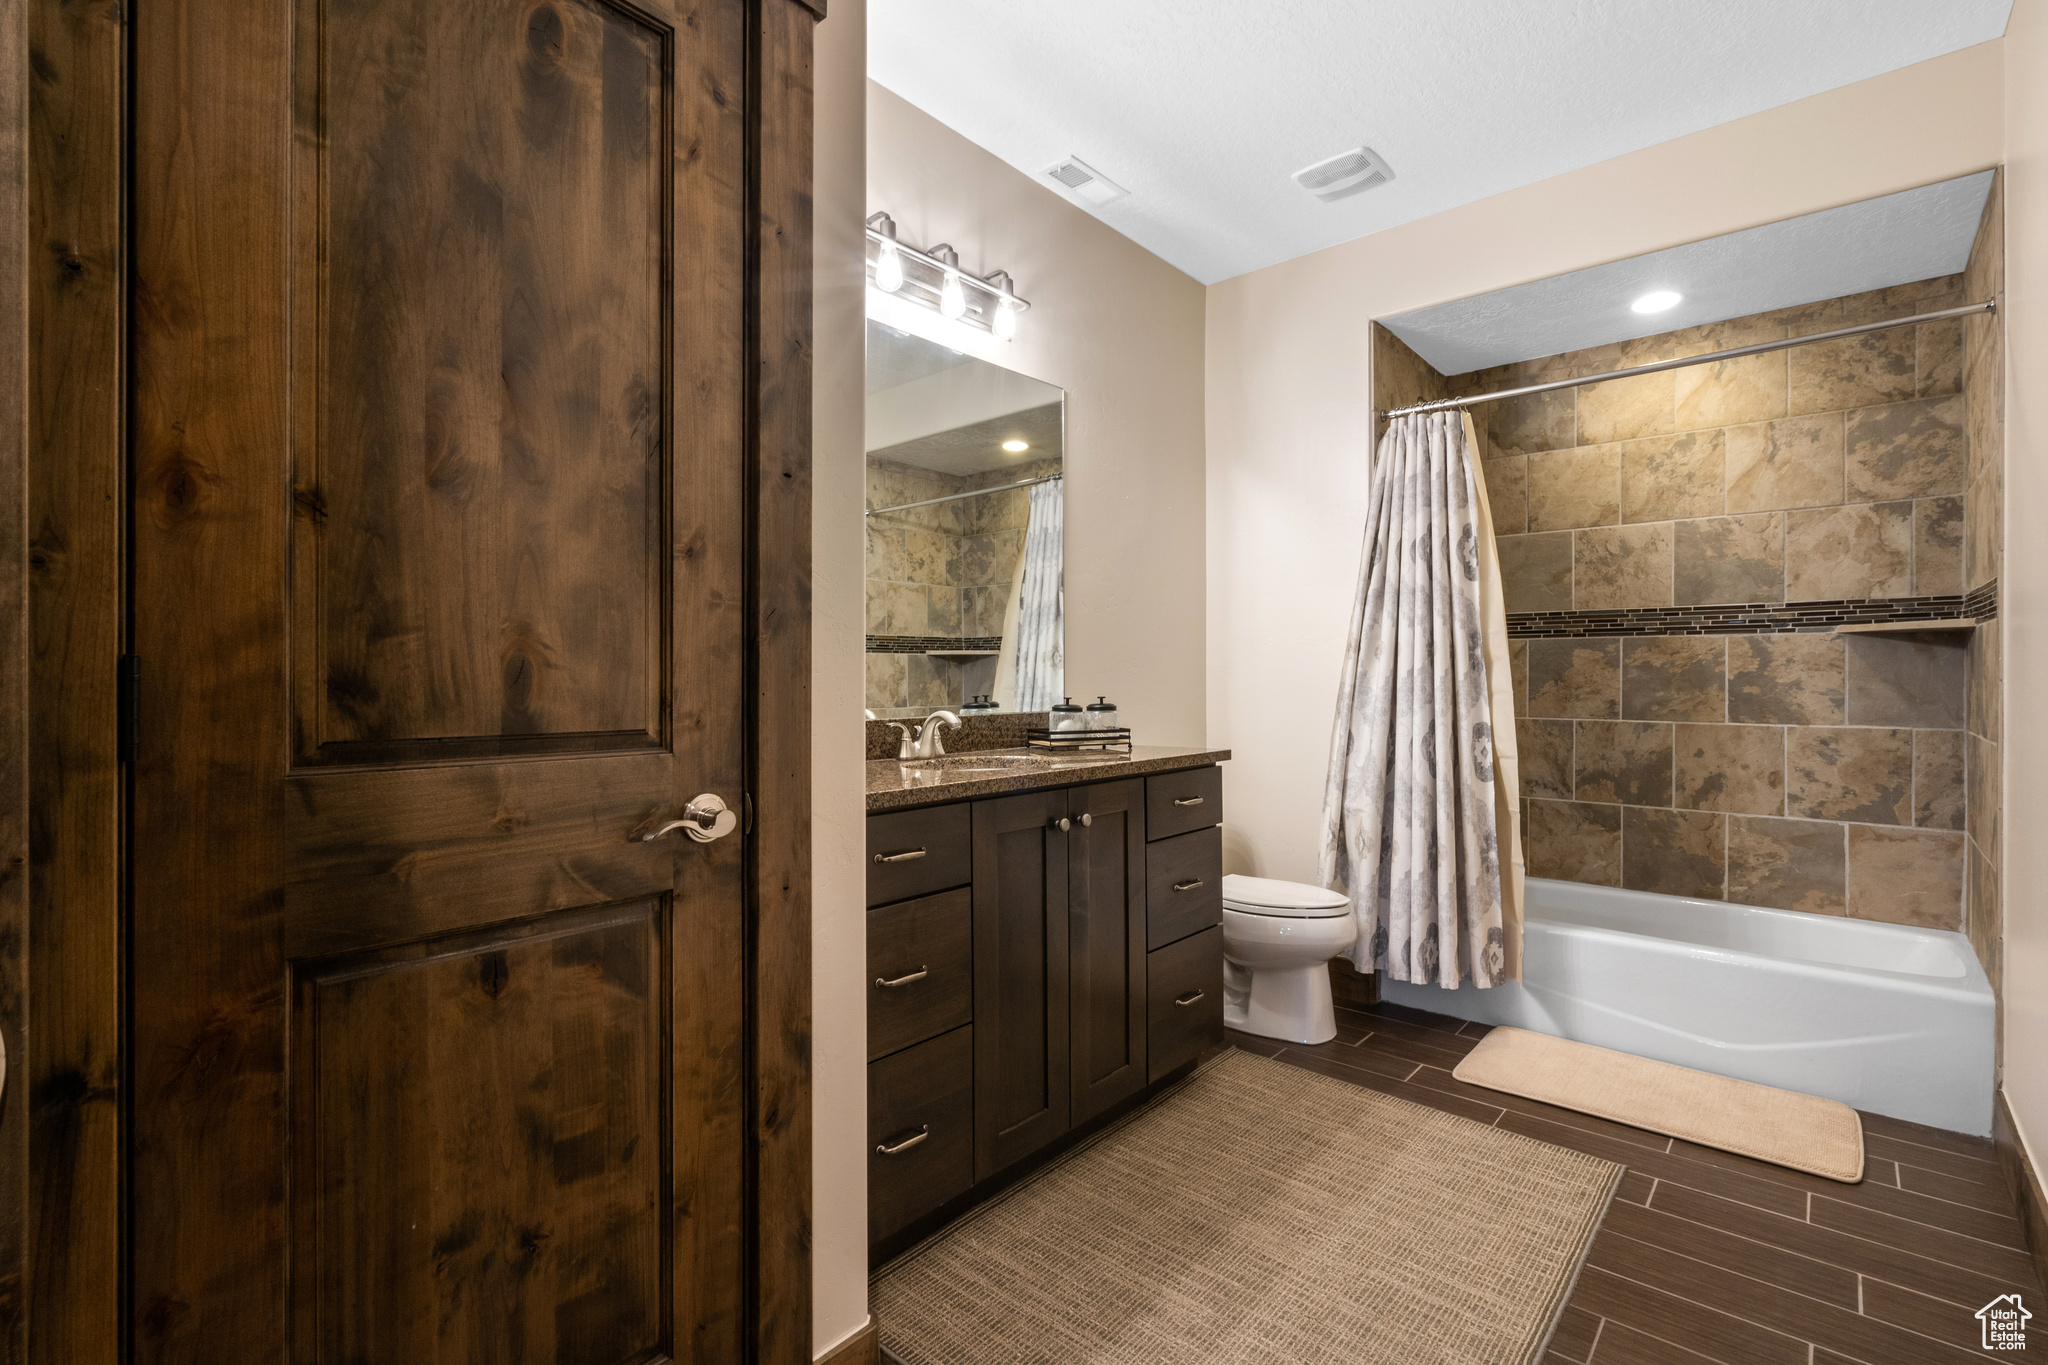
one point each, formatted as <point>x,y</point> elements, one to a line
<point>1085,181</point>
<point>1345,174</point>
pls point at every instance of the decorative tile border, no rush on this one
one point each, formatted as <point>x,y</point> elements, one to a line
<point>1750,618</point>
<point>922,644</point>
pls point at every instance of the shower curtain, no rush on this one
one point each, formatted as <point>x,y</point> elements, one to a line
<point>1041,602</point>
<point>1419,817</point>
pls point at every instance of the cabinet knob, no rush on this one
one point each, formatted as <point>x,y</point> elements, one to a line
<point>1087,820</point>
<point>1063,824</point>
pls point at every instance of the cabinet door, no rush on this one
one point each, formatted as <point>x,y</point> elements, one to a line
<point>1106,929</point>
<point>1020,977</point>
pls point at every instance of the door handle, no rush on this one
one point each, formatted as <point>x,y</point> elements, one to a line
<point>704,819</point>
<point>906,856</point>
<point>1189,997</point>
<point>920,974</point>
<point>1187,886</point>
<point>1188,801</point>
<point>891,1149</point>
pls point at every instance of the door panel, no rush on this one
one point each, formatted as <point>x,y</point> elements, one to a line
<point>482,380</point>
<point>439,435</point>
<point>1020,978</point>
<point>1106,918</point>
<point>473,1114</point>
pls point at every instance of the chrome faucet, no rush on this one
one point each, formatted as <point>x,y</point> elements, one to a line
<point>927,744</point>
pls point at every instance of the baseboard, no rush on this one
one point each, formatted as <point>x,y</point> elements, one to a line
<point>1349,986</point>
<point>862,1348</point>
<point>2025,1182</point>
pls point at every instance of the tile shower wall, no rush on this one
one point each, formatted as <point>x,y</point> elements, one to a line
<point>943,570</point>
<point>1806,771</point>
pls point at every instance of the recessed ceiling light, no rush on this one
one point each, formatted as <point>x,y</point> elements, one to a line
<point>1015,446</point>
<point>1656,301</point>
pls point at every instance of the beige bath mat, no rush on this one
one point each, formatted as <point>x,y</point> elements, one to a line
<point>1259,1214</point>
<point>1804,1132</point>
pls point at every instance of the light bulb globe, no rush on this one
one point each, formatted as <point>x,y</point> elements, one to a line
<point>888,269</point>
<point>952,298</point>
<point>1004,324</point>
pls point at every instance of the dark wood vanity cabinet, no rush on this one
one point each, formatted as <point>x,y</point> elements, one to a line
<point>1013,998</point>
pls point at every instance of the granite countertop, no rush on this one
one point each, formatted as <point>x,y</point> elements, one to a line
<point>894,785</point>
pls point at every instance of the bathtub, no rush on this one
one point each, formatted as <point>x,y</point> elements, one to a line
<point>1894,1020</point>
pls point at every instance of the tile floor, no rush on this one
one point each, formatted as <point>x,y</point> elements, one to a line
<point>1706,1256</point>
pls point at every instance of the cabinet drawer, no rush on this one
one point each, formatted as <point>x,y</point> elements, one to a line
<point>1183,886</point>
<point>917,852</point>
<point>1178,802</point>
<point>1184,1000</point>
<point>931,939</point>
<point>921,1104</point>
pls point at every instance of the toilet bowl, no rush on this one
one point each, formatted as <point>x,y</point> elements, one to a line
<point>1278,939</point>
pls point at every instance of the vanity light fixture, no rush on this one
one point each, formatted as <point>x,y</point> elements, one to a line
<point>1656,301</point>
<point>1016,447</point>
<point>934,278</point>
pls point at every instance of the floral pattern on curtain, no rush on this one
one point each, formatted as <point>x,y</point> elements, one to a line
<point>1416,813</point>
<point>1042,601</point>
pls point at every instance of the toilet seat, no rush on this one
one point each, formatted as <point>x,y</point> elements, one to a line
<point>1282,900</point>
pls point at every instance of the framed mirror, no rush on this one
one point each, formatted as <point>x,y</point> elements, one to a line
<point>965,504</point>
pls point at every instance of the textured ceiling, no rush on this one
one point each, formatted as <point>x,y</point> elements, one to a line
<point>1895,239</point>
<point>1204,109</point>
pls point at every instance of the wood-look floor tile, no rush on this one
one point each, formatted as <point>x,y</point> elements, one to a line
<point>1986,1258</point>
<point>1393,1045</point>
<point>1441,1079</point>
<point>1950,1322</point>
<point>1994,1198</point>
<point>1984,1225</point>
<point>1472,1028</point>
<point>1621,1344</point>
<point>1959,1144</point>
<point>1878,1171</point>
<point>1369,1056</point>
<point>1251,1042</point>
<point>1886,1260</point>
<point>1435,1039</point>
<point>1635,1187</point>
<point>1442,1023</point>
<point>1573,1338</point>
<point>1934,1159</point>
<point>1400,1090</point>
<point>1767,1305</point>
<point>1721,1336</point>
<point>1758,1260</point>
<point>1665,1165</point>
<point>1761,1170</point>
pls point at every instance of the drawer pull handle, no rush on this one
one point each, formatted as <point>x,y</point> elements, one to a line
<point>891,1149</point>
<point>1187,886</point>
<point>917,975</point>
<point>1189,998</point>
<point>904,857</point>
<point>1187,801</point>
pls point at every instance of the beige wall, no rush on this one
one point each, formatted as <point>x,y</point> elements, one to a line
<point>839,1094</point>
<point>1290,418</point>
<point>1122,332</point>
<point>2024,610</point>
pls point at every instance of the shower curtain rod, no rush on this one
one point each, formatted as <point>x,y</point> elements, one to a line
<point>1967,310</point>
<point>970,493</point>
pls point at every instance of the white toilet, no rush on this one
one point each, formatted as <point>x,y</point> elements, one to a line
<point>1278,939</point>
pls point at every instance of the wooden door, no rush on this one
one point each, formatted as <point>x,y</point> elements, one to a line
<point>1020,977</point>
<point>440,451</point>
<point>1106,943</point>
